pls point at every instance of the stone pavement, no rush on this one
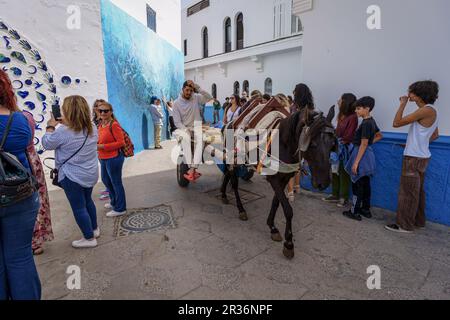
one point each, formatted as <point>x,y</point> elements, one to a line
<point>206,252</point>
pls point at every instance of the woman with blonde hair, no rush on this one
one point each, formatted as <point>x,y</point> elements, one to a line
<point>75,145</point>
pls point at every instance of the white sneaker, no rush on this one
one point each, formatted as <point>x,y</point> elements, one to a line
<point>83,243</point>
<point>114,214</point>
<point>396,228</point>
<point>108,206</point>
<point>104,197</point>
<point>291,197</point>
<point>97,233</point>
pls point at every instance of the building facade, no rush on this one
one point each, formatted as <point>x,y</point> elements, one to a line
<point>379,49</point>
<point>232,46</point>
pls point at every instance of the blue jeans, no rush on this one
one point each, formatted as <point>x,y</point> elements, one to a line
<point>19,279</point>
<point>112,179</point>
<point>82,206</point>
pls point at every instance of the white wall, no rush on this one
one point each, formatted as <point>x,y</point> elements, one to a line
<point>258,24</point>
<point>342,55</point>
<point>77,53</point>
<point>168,19</point>
<point>284,69</point>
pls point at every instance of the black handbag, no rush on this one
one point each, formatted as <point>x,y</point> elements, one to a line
<point>54,173</point>
<point>16,182</point>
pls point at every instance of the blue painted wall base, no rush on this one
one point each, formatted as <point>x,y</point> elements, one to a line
<point>385,184</point>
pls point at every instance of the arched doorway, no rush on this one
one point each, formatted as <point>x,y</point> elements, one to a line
<point>205,42</point>
<point>268,85</point>
<point>228,35</point>
<point>214,91</point>
<point>240,31</point>
<point>237,88</point>
<point>246,87</point>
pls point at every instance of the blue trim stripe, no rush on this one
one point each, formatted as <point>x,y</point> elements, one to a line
<point>386,182</point>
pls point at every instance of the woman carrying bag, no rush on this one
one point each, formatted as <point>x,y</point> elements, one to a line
<point>43,229</point>
<point>111,141</point>
<point>75,145</point>
<point>19,206</point>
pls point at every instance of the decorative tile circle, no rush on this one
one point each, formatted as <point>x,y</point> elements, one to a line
<point>144,220</point>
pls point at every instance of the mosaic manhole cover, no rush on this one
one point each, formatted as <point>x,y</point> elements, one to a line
<point>246,196</point>
<point>144,220</point>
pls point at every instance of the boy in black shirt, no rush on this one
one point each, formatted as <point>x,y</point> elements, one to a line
<point>361,165</point>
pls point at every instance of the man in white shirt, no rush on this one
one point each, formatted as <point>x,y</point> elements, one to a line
<point>187,115</point>
<point>157,116</point>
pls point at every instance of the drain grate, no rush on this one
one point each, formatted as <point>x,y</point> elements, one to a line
<point>144,220</point>
<point>246,196</point>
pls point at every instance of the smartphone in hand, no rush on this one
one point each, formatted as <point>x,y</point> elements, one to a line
<point>56,110</point>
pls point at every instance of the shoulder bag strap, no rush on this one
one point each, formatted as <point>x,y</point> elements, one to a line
<point>6,132</point>
<point>84,143</point>
<point>111,130</point>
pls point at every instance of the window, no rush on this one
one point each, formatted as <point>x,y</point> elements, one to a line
<point>197,7</point>
<point>151,18</point>
<point>228,35</point>
<point>297,26</point>
<point>214,91</point>
<point>205,42</point>
<point>237,88</point>
<point>268,86</point>
<point>240,32</point>
<point>279,20</point>
<point>185,48</point>
<point>246,87</point>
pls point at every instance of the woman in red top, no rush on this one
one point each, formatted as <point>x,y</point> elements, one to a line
<point>345,131</point>
<point>111,140</point>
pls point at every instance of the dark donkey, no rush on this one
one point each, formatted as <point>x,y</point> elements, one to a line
<point>305,135</point>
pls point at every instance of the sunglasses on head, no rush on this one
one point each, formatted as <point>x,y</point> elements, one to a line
<point>104,111</point>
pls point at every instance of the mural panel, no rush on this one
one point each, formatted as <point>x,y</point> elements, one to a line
<point>36,85</point>
<point>139,65</point>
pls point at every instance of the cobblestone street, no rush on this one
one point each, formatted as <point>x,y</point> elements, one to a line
<point>201,250</point>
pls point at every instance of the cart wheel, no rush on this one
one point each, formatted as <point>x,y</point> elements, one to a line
<point>182,169</point>
<point>248,176</point>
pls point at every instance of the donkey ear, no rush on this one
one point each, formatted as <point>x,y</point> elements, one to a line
<point>331,114</point>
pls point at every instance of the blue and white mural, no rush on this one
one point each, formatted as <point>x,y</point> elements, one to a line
<point>139,65</point>
<point>36,85</point>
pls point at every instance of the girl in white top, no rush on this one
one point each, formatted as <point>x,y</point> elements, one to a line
<point>419,137</point>
<point>233,111</point>
<point>424,126</point>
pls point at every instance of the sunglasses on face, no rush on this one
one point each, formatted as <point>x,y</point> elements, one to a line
<point>104,111</point>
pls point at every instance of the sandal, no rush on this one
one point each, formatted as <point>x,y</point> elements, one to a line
<point>190,177</point>
<point>38,251</point>
<point>291,196</point>
<point>197,175</point>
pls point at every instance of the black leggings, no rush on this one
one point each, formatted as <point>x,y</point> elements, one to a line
<point>361,195</point>
<point>172,125</point>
